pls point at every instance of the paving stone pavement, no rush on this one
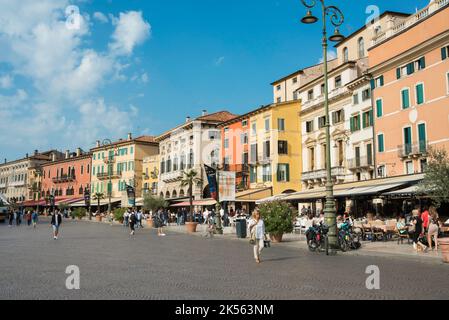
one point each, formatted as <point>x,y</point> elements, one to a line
<point>115,265</point>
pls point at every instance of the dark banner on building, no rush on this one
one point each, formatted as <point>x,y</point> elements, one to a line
<point>212,179</point>
<point>131,195</point>
<point>87,197</point>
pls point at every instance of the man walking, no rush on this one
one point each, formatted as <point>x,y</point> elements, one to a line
<point>132,222</point>
<point>34,218</point>
<point>56,221</point>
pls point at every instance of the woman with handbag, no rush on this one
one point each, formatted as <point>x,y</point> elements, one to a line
<point>257,232</point>
<point>432,232</point>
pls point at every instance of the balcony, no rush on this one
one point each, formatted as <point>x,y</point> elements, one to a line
<point>360,163</point>
<point>413,150</point>
<point>319,101</point>
<point>105,175</point>
<point>338,173</point>
<point>172,176</point>
<point>64,179</point>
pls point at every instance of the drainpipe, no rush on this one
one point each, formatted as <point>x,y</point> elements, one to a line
<point>374,130</point>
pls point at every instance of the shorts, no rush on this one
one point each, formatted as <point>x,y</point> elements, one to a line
<point>55,228</point>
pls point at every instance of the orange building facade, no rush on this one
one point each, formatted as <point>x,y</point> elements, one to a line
<point>234,153</point>
<point>410,82</point>
<point>67,179</point>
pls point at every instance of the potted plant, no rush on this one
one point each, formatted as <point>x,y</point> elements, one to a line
<point>153,203</point>
<point>278,217</point>
<point>119,214</point>
<point>443,243</point>
<point>79,213</point>
<point>189,179</point>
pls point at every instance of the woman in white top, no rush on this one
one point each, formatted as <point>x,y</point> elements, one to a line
<point>257,231</point>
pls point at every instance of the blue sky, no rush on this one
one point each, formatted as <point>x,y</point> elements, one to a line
<point>142,66</point>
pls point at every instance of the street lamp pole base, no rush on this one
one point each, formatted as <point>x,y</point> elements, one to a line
<point>330,216</point>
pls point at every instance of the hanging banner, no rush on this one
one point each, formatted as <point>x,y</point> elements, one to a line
<point>212,179</point>
<point>226,185</point>
<point>131,195</point>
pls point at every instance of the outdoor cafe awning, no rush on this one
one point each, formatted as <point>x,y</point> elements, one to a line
<point>253,195</point>
<point>205,202</point>
<point>406,191</point>
<point>93,203</point>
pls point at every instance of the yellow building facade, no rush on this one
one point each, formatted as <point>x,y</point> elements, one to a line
<point>275,147</point>
<point>150,175</point>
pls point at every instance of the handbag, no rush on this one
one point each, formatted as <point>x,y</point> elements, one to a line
<point>267,244</point>
<point>252,240</point>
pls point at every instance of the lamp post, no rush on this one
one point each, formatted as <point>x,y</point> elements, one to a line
<point>106,144</point>
<point>336,19</point>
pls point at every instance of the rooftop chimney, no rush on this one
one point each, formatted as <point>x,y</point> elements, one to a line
<point>98,143</point>
<point>204,113</point>
<point>5,160</point>
<point>67,154</point>
<point>78,152</point>
<point>130,136</point>
<point>36,152</point>
<point>27,155</point>
<point>188,119</point>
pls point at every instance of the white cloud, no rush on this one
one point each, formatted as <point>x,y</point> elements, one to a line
<point>145,78</point>
<point>331,55</point>
<point>131,30</point>
<point>101,17</point>
<point>6,82</point>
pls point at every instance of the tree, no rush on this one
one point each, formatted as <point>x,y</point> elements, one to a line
<point>98,196</point>
<point>278,217</point>
<point>189,179</point>
<point>436,177</point>
<point>154,203</point>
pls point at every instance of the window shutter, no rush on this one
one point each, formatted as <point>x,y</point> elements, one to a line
<point>381,81</point>
<point>443,53</point>
<point>371,118</point>
<point>358,123</point>
<point>410,68</point>
<point>398,73</point>
<point>287,172</point>
<point>420,93</point>
<point>334,118</point>
<point>373,84</point>
<point>279,173</point>
<point>422,62</point>
<point>352,124</point>
<point>343,115</point>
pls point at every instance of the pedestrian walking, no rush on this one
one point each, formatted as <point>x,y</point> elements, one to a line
<point>132,222</point>
<point>159,223</point>
<point>418,234</point>
<point>18,218</point>
<point>126,219</point>
<point>28,218</point>
<point>34,218</point>
<point>433,228</point>
<point>140,218</point>
<point>257,232</point>
<point>56,221</point>
<point>11,218</point>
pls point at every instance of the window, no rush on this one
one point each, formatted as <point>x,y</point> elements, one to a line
<point>244,123</point>
<point>366,94</point>
<point>310,95</point>
<point>266,150</point>
<point>267,124</point>
<point>309,126</point>
<point>281,124</point>
<point>409,167</point>
<point>311,159</point>
<point>253,153</point>
<point>175,163</point>
<point>322,89</point>
<point>420,94</point>
<point>244,138</point>
<point>405,98</point>
<point>132,150</point>
<point>295,80</point>
<point>345,55</point>
<point>282,147</point>
<point>253,129</point>
<point>367,119</point>
<point>94,157</point>
<point>266,170</point>
<point>369,153</point>
<point>182,164</point>
<point>214,135</point>
<point>162,166</point>
<point>245,158</point>
<point>226,143</point>
<point>380,143</point>
<point>278,87</point>
<point>407,140</point>
<point>377,82</point>
<point>191,158</point>
<point>279,100</point>
<point>423,164</point>
<point>253,175</point>
<point>295,95</point>
<point>379,108</point>
<point>361,47</point>
<point>321,122</point>
<point>283,172</point>
<point>355,123</point>
<point>422,138</point>
<point>420,63</point>
<point>447,82</point>
<point>338,82</point>
<point>338,116</point>
<point>355,99</point>
<point>444,53</point>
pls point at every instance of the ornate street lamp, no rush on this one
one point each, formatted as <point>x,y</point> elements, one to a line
<point>336,19</point>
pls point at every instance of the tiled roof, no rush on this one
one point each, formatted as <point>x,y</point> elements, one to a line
<point>220,116</point>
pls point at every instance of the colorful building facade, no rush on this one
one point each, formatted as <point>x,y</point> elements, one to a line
<point>409,66</point>
<point>150,175</point>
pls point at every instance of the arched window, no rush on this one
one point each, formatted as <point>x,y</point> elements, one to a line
<point>182,165</point>
<point>345,55</point>
<point>162,166</point>
<point>181,193</point>
<point>167,195</point>
<point>168,164</point>
<point>175,163</point>
<point>175,194</point>
<point>161,194</point>
<point>361,47</point>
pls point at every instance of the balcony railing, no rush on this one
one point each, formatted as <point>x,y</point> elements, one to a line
<point>320,99</point>
<point>360,163</point>
<point>64,178</point>
<point>413,149</point>
<point>322,174</point>
<point>105,175</point>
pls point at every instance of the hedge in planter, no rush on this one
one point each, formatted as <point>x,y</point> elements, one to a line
<point>79,213</point>
<point>119,214</point>
<point>278,217</point>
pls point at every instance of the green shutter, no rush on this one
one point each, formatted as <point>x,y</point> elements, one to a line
<point>287,166</point>
<point>352,124</point>
<point>398,73</point>
<point>359,119</point>
<point>379,108</point>
<point>422,62</point>
<point>371,118</point>
<point>410,68</point>
<point>443,53</point>
<point>405,99</point>
<point>380,142</point>
<point>420,93</point>
<point>381,81</point>
<point>373,84</point>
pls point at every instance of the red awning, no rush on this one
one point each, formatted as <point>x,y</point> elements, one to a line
<point>33,203</point>
<point>67,200</point>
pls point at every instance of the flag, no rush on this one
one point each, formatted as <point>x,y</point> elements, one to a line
<point>212,179</point>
